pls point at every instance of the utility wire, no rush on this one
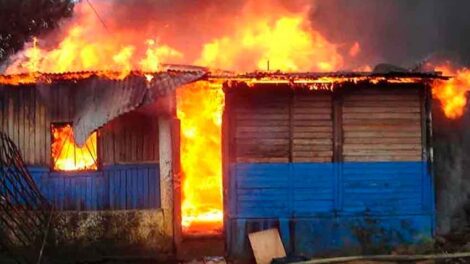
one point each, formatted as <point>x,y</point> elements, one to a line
<point>97,15</point>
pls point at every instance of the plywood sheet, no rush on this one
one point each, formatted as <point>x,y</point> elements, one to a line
<point>266,245</point>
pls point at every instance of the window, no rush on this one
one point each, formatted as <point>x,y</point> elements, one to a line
<point>66,155</point>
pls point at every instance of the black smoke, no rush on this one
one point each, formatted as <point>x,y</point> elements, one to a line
<point>400,32</point>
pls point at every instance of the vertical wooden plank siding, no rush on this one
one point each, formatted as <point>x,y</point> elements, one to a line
<point>130,138</point>
<point>101,190</point>
<point>26,117</point>
<point>18,119</point>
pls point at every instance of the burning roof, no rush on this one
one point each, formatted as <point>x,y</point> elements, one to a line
<point>329,77</point>
<point>256,76</point>
<point>48,78</point>
<point>108,94</point>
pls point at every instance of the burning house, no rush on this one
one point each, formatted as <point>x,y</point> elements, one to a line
<point>335,161</point>
<point>283,125</point>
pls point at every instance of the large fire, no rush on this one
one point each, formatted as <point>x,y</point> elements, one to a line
<point>200,107</point>
<point>277,39</point>
<point>87,46</point>
<point>67,156</point>
<point>266,35</point>
<point>452,93</point>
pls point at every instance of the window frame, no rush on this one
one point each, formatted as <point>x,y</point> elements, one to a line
<point>52,161</point>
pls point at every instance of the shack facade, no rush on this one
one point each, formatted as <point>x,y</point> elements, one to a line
<point>335,166</point>
<point>338,169</point>
<point>123,202</point>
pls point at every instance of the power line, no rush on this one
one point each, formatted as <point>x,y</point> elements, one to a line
<point>97,15</point>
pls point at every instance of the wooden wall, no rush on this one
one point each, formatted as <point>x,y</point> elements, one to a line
<point>261,125</point>
<point>26,120</point>
<point>321,166</point>
<point>131,138</point>
<point>115,187</point>
<point>382,125</point>
<point>279,124</point>
<point>26,117</point>
<point>312,127</point>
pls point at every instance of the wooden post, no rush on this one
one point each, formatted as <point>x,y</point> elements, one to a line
<point>291,105</point>
<point>337,126</point>
<point>429,123</point>
<point>166,172</point>
<point>167,152</point>
<point>422,101</point>
<point>177,192</point>
<point>227,140</point>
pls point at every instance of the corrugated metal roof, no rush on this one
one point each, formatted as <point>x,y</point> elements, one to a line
<point>102,95</point>
<point>322,75</point>
<point>40,77</point>
<point>104,100</point>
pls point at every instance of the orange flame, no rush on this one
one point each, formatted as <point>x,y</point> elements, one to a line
<point>355,49</point>
<point>86,46</point>
<point>200,107</point>
<point>452,93</point>
<point>265,34</point>
<point>278,38</point>
<point>67,156</point>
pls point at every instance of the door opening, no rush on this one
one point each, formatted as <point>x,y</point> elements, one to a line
<point>200,107</point>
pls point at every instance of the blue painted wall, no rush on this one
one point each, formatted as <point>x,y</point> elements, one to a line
<point>116,187</point>
<point>328,207</point>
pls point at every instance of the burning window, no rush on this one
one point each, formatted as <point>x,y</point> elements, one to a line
<point>66,155</point>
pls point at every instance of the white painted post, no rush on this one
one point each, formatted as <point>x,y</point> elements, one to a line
<point>166,171</point>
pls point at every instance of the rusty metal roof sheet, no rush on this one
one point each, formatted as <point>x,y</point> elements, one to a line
<point>104,100</point>
<point>103,96</point>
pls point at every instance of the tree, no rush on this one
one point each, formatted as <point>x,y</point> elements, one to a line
<point>20,20</point>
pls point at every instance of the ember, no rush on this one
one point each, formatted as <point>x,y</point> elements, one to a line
<point>67,156</point>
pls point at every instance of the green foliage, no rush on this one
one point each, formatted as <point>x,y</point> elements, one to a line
<point>20,20</point>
